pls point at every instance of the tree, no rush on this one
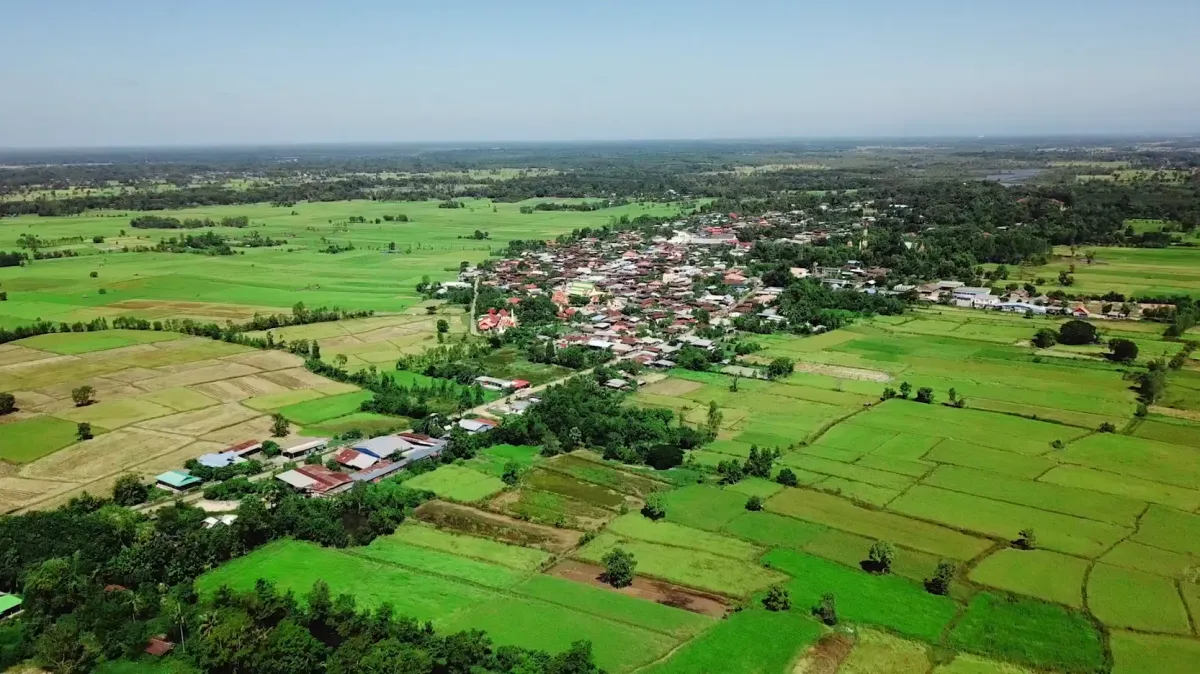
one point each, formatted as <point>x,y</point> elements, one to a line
<point>271,449</point>
<point>8,403</point>
<point>778,599</point>
<point>443,326</point>
<point>714,417</point>
<point>760,462</point>
<point>1107,427</point>
<point>905,389</point>
<point>939,582</point>
<point>129,490</point>
<point>1122,350</point>
<point>655,508</point>
<point>692,358</point>
<point>63,648</point>
<point>1044,338</point>
<point>953,395</point>
<point>1026,539</point>
<point>754,503</point>
<point>780,367</point>
<point>880,557</point>
<point>733,387</point>
<point>83,395</point>
<point>1076,332</point>
<point>618,567</point>
<point>512,473</point>
<point>826,610</point>
<point>787,477</point>
<point>83,431</point>
<point>341,359</point>
<point>925,395</point>
<point>279,425</point>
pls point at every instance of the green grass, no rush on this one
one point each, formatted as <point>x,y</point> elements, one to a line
<point>704,506</point>
<point>1149,654</point>
<point>989,460</point>
<point>515,621</point>
<point>1063,533</point>
<point>492,460</point>
<point>606,476</point>
<point>510,556</point>
<point>1123,485</point>
<point>756,486</point>
<point>852,550</point>
<point>1137,457</point>
<point>1042,574</point>
<point>457,483</point>
<point>688,567</point>
<point>1135,600</point>
<point>615,606</point>
<point>965,663</point>
<point>876,652</point>
<point>773,530</point>
<point>148,665</point>
<point>634,525</point>
<point>1170,530</point>
<point>838,513</point>
<point>886,600</point>
<point>748,642</point>
<point>295,566</point>
<point>1140,557</point>
<point>574,488</point>
<point>1029,633</point>
<point>27,440</point>
<point>367,422</point>
<point>435,562</point>
<point>76,343</point>
<point>312,412</point>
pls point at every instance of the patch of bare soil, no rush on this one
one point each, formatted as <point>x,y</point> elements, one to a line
<point>1172,412</point>
<point>495,526</point>
<point>644,588</point>
<point>826,656</point>
<point>841,372</point>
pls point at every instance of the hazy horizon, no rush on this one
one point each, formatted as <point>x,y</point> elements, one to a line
<point>133,74</point>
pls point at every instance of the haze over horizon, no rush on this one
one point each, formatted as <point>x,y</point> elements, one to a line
<point>133,73</point>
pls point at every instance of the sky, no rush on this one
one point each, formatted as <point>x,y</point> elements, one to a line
<point>257,72</point>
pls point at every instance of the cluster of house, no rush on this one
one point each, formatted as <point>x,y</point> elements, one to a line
<point>1022,302</point>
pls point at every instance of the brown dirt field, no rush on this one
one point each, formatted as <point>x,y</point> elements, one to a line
<point>31,399</point>
<point>11,354</point>
<point>396,332</point>
<point>267,360</point>
<point>197,376</point>
<point>31,368</point>
<point>296,378</point>
<point>175,459</point>
<point>1172,412</point>
<point>131,351</point>
<point>467,520</point>
<point>672,387</point>
<point>333,344</point>
<point>106,389</point>
<point>18,492</point>
<point>826,656</point>
<point>380,356</point>
<point>202,421</point>
<point>644,588</point>
<point>103,455</point>
<point>844,372</point>
<point>181,366</point>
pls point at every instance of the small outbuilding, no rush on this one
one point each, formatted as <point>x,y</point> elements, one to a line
<point>177,480</point>
<point>10,605</point>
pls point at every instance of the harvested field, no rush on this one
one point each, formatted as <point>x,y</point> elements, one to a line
<point>876,652</point>
<point>459,518</point>
<point>839,372</point>
<point>267,360</point>
<point>19,492</point>
<point>105,454</point>
<point>180,399</point>
<point>113,414</point>
<point>672,386</point>
<point>826,656</point>
<point>257,428</point>
<point>202,421</point>
<point>296,378</point>
<point>649,589</point>
<point>198,375</point>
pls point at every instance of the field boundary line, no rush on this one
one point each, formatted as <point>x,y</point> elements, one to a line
<point>510,592</point>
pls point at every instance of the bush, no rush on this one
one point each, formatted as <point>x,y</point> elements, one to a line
<point>8,403</point>
<point>1107,427</point>
<point>925,395</point>
<point>827,609</point>
<point>1122,350</point>
<point>1044,338</point>
<point>880,557</point>
<point>787,477</point>
<point>1026,539</point>
<point>83,396</point>
<point>754,503</point>
<point>655,508</point>
<point>129,490</point>
<point>939,582</point>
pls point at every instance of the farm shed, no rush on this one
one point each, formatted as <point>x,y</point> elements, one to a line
<point>476,425</point>
<point>301,449</point>
<point>177,480</point>
<point>383,446</point>
<point>10,604</point>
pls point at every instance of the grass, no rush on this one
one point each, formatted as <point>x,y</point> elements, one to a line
<point>1137,457</point>
<point>688,567</point>
<point>773,530</point>
<point>614,606</point>
<point>838,513</point>
<point>965,663</point>
<point>1029,633</point>
<point>1170,530</point>
<point>148,665</point>
<point>885,600</point>
<point>323,409</point>
<point>876,652</point>
<point>1135,600</point>
<point>1139,557</point>
<point>510,556</point>
<point>27,440</point>
<point>1150,654</point>
<point>748,642</point>
<point>435,562</point>
<point>1043,574</point>
<point>704,506</point>
<point>1123,485</point>
<point>634,525</point>
<point>1063,533</point>
<point>852,550</point>
<point>295,566</point>
<point>492,460</point>
<point>366,422</point>
<point>456,483</point>
<point>516,621</point>
<point>76,343</point>
<point>605,476</point>
<point>560,483</point>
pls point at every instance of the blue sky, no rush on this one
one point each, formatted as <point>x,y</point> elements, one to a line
<point>126,72</point>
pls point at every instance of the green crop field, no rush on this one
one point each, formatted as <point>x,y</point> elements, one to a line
<point>1038,573</point>
<point>457,483</point>
<point>888,601</point>
<point>323,409</point>
<point>740,645</point>
<point>484,549</point>
<point>30,439</point>
<point>444,564</point>
<point>1149,654</point>
<point>1030,633</point>
<point>1136,600</point>
<point>615,606</point>
<point>637,527</point>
